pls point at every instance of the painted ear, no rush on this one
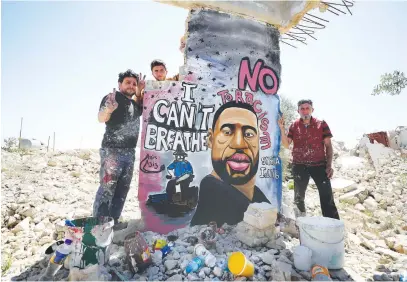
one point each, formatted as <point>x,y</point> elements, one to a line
<point>209,138</point>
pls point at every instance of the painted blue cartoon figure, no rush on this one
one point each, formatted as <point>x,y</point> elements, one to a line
<point>181,174</point>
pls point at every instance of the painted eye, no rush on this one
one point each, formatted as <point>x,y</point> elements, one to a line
<point>248,135</point>
<point>227,132</point>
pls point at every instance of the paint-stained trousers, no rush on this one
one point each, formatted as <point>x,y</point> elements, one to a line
<point>301,174</point>
<point>116,172</point>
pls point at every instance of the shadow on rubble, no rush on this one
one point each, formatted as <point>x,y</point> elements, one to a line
<point>34,272</point>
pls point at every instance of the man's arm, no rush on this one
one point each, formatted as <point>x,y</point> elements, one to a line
<point>285,140</point>
<point>107,106</point>
<point>174,78</point>
<point>104,115</point>
<point>138,98</point>
<point>329,152</point>
<point>140,90</point>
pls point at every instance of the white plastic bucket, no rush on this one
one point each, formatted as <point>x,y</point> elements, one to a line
<point>302,258</point>
<point>324,236</point>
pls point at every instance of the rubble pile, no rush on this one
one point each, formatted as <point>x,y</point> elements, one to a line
<point>38,190</point>
<point>41,189</point>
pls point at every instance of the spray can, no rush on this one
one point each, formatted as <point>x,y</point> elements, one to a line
<point>320,273</point>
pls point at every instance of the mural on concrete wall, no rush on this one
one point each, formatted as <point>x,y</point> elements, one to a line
<point>210,142</point>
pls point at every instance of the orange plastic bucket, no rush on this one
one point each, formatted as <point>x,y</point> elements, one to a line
<point>239,265</point>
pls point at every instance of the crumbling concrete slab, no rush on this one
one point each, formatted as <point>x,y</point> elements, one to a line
<point>387,252</point>
<point>340,185</point>
<point>379,154</point>
<point>356,196</point>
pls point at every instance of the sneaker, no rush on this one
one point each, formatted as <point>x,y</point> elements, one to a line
<point>299,213</point>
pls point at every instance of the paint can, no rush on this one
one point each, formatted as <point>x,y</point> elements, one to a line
<point>93,246</point>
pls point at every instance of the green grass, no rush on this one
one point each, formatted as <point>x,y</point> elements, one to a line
<point>6,263</point>
<point>368,213</point>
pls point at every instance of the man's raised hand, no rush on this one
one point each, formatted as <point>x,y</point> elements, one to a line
<point>281,122</point>
<point>111,103</point>
<point>140,89</point>
<point>141,82</point>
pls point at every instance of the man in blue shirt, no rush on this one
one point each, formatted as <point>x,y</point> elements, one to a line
<point>182,170</point>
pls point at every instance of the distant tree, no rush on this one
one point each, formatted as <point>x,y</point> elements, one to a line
<point>289,110</point>
<point>391,84</point>
<point>10,144</point>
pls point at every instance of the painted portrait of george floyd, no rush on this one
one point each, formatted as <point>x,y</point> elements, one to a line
<point>210,142</point>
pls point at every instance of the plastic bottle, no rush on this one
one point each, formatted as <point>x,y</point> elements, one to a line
<point>57,260</point>
<point>222,264</point>
<point>194,265</point>
<point>201,251</point>
<point>53,247</point>
<point>320,273</point>
<point>403,277</point>
<point>62,252</point>
<point>165,250</point>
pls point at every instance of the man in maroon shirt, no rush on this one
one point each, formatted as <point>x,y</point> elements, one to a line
<point>312,157</point>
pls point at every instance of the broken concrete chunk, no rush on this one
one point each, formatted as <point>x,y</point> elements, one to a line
<point>22,226</point>
<point>343,185</point>
<point>370,204</point>
<point>260,215</point>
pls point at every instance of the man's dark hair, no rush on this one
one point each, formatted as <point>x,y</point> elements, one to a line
<point>127,73</point>
<point>304,101</point>
<point>157,63</point>
<point>232,104</point>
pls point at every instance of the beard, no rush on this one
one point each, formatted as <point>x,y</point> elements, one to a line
<point>129,93</point>
<point>306,116</point>
<point>220,169</point>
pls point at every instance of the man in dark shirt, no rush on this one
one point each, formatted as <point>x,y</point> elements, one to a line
<point>226,193</point>
<point>312,157</point>
<point>120,112</point>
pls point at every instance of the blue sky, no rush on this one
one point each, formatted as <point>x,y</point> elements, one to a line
<point>60,58</point>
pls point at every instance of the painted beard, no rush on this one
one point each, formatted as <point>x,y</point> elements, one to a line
<point>239,163</point>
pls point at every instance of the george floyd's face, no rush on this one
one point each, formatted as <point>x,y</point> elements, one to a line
<point>159,73</point>
<point>128,86</point>
<point>235,146</point>
<point>305,111</point>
